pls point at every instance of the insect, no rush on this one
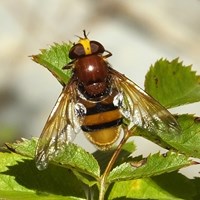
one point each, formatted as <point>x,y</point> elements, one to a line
<point>95,101</point>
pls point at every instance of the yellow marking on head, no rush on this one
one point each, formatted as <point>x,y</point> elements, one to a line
<point>86,45</point>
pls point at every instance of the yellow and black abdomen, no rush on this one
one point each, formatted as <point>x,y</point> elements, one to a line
<point>101,123</point>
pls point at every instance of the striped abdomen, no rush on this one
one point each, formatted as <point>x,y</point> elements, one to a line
<point>101,123</point>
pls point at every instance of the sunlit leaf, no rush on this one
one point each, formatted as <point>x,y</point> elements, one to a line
<point>54,59</point>
<point>24,147</point>
<point>20,179</point>
<point>185,141</point>
<point>188,140</point>
<point>70,156</point>
<point>77,158</point>
<point>172,186</point>
<point>172,83</point>
<point>153,165</point>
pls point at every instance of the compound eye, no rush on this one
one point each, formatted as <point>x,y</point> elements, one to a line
<point>76,51</point>
<point>96,47</point>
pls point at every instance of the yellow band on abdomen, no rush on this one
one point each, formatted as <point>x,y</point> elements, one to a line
<point>102,117</point>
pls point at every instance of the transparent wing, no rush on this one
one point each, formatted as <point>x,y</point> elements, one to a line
<point>60,128</point>
<point>141,109</point>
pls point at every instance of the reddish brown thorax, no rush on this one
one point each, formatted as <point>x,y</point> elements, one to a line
<point>90,69</point>
<point>92,74</point>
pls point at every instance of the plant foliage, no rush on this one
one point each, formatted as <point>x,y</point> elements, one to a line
<point>76,174</point>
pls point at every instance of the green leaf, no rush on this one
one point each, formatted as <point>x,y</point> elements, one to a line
<point>171,186</point>
<point>154,165</point>
<point>172,83</point>
<point>74,157</point>
<point>20,179</point>
<point>54,59</point>
<point>18,195</point>
<point>70,156</point>
<point>24,147</point>
<point>188,140</point>
<point>185,141</point>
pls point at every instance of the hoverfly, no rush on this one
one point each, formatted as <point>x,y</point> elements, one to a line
<point>95,102</point>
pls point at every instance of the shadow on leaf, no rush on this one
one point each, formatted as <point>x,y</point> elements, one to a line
<point>54,180</point>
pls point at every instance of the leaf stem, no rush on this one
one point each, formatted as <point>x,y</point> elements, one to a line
<point>103,184</point>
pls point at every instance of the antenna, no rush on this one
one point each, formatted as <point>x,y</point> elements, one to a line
<point>85,34</point>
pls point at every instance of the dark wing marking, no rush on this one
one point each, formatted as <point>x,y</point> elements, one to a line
<point>143,110</point>
<point>60,128</point>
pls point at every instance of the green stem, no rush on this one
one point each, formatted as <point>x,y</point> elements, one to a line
<point>103,184</point>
